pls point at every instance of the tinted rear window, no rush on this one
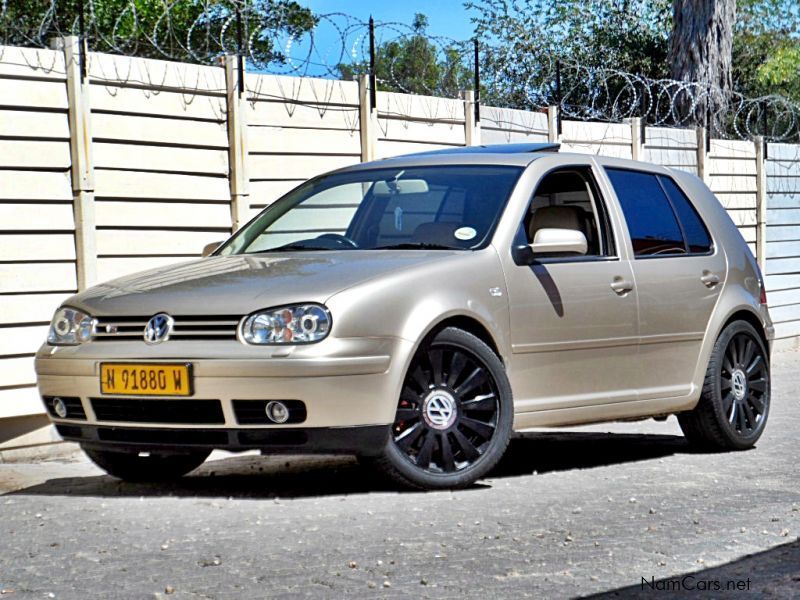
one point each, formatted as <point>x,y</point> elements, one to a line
<point>697,237</point>
<point>651,221</point>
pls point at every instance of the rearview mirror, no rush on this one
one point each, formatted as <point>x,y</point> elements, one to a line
<point>400,186</point>
<point>209,248</point>
<point>559,241</point>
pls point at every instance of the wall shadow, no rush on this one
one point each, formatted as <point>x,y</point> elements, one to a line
<point>774,573</point>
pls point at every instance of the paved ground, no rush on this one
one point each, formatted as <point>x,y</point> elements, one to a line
<point>569,514</point>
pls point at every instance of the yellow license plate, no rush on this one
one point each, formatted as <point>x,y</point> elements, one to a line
<point>146,380</point>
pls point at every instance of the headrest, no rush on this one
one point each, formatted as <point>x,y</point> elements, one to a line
<point>556,217</point>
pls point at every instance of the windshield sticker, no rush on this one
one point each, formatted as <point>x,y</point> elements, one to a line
<point>465,233</point>
<point>398,219</point>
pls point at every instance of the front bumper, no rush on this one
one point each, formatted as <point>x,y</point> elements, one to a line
<point>367,440</point>
<point>346,386</point>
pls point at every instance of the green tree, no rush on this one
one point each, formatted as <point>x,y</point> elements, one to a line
<point>414,63</point>
<point>183,30</point>
<point>766,48</point>
<point>526,37</point>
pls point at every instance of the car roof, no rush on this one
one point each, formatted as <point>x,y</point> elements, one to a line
<point>520,155</point>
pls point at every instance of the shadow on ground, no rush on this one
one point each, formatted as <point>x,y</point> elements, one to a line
<point>295,477</point>
<point>774,573</point>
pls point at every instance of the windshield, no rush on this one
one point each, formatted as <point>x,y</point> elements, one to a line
<point>442,207</point>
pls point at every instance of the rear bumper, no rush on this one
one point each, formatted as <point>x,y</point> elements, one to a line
<point>367,440</point>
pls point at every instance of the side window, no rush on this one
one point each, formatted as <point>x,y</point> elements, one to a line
<point>568,199</point>
<point>652,224</point>
<point>697,236</point>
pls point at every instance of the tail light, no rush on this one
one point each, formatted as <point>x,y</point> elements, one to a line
<point>762,297</point>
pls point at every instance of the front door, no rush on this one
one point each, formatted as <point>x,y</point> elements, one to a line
<point>573,318</point>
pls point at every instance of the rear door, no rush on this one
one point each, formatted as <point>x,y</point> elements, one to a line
<point>678,273</point>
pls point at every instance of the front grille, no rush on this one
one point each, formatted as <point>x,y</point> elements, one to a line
<point>186,412</point>
<point>74,407</point>
<point>253,412</point>
<point>186,328</point>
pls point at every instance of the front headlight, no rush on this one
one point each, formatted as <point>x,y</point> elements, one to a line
<point>299,324</point>
<point>70,327</point>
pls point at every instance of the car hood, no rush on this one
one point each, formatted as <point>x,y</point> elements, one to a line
<point>237,285</point>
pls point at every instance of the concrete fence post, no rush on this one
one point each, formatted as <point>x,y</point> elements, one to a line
<point>368,120</point>
<point>472,126</point>
<point>552,124</point>
<point>82,165</point>
<point>239,178</point>
<point>637,144</point>
<point>761,202</point>
<point>702,153</point>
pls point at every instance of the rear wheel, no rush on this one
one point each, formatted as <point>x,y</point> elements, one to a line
<point>133,466</point>
<point>454,415</point>
<point>734,405</point>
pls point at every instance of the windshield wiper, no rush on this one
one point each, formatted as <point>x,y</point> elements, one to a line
<point>417,246</point>
<point>291,247</point>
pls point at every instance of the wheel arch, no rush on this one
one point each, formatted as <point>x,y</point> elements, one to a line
<point>750,317</point>
<point>467,323</point>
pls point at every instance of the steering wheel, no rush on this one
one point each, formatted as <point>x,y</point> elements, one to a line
<point>339,239</point>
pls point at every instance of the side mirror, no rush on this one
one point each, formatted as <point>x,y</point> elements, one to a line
<point>209,248</point>
<point>559,241</point>
<point>550,241</point>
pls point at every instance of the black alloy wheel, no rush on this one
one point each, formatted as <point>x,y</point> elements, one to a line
<point>744,384</point>
<point>448,410</point>
<point>454,414</point>
<point>734,403</point>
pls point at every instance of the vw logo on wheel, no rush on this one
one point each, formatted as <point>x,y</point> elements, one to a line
<point>439,409</point>
<point>158,328</point>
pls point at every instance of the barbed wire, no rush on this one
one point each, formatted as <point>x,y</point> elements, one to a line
<point>274,38</point>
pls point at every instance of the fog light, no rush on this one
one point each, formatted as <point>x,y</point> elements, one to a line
<point>60,407</point>
<point>277,412</point>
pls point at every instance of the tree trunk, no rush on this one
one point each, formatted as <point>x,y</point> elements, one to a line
<point>700,52</point>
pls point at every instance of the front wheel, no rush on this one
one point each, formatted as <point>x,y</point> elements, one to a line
<point>734,405</point>
<point>133,466</point>
<point>454,415</point>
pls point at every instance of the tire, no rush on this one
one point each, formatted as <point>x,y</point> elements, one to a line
<point>130,466</point>
<point>734,404</point>
<point>454,415</point>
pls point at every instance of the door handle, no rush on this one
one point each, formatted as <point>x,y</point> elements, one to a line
<point>621,286</point>
<point>709,279</point>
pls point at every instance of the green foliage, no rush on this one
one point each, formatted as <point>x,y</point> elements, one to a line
<point>528,36</point>
<point>624,35</point>
<point>185,30</point>
<point>414,63</point>
<point>779,74</point>
<point>766,51</point>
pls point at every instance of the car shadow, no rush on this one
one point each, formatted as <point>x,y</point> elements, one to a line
<point>252,476</point>
<point>563,451</point>
<point>773,573</point>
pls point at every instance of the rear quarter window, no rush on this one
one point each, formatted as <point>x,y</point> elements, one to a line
<point>697,237</point>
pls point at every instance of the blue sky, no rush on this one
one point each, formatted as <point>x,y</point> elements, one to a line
<point>447,18</point>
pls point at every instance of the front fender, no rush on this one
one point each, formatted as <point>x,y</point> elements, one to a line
<point>409,304</point>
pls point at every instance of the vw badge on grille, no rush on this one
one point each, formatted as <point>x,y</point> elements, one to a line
<point>158,328</point>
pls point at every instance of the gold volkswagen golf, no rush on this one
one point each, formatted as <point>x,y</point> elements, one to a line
<point>416,311</point>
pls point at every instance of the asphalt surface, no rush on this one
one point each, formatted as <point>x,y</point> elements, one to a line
<point>569,513</point>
